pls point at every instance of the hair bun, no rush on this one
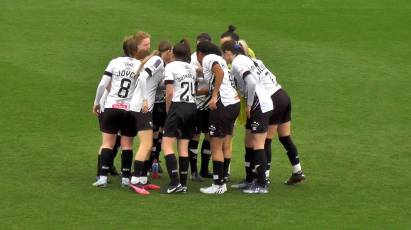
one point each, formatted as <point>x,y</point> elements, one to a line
<point>231,28</point>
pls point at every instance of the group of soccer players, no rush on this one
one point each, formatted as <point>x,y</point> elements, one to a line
<point>171,96</point>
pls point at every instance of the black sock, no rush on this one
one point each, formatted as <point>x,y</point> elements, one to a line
<point>146,167</point>
<point>153,150</point>
<point>226,168</point>
<point>260,165</point>
<point>267,148</point>
<point>171,163</point>
<point>183,169</point>
<point>158,147</point>
<point>249,166</point>
<point>115,150</point>
<point>192,154</point>
<point>205,157</point>
<point>126,161</point>
<point>105,161</point>
<point>291,149</point>
<point>218,169</point>
<point>138,168</point>
<point>98,164</point>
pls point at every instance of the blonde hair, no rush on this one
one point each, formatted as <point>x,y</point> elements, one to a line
<point>244,45</point>
<point>140,36</point>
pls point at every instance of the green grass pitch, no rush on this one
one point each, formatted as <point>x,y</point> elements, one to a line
<point>346,65</point>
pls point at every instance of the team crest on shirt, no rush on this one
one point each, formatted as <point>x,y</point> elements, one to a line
<point>254,125</point>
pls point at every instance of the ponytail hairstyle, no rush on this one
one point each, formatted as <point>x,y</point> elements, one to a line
<point>207,47</point>
<point>231,33</point>
<point>182,51</point>
<point>130,47</point>
<point>233,47</point>
<point>164,46</point>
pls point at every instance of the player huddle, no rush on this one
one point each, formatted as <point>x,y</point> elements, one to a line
<point>170,97</point>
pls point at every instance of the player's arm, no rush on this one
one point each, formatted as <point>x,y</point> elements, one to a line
<point>105,81</point>
<point>250,85</point>
<point>169,93</point>
<point>218,80</point>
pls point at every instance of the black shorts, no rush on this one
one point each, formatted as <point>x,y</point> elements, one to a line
<point>258,121</point>
<point>201,125</point>
<point>282,108</point>
<point>180,120</point>
<point>159,115</point>
<point>143,121</point>
<point>118,120</point>
<point>222,119</point>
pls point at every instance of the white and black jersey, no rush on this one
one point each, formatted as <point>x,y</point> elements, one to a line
<point>147,84</point>
<point>227,94</point>
<point>250,84</point>
<point>202,82</point>
<point>122,73</point>
<point>267,78</point>
<point>183,77</point>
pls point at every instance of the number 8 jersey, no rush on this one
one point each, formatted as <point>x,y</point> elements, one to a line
<point>123,72</point>
<point>183,77</point>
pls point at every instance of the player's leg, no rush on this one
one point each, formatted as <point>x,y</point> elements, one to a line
<point>248,161</point>
<point>205,157</point>
<point>183,161</point>
<point>284,133</point>
<point>227,152</point>
<point>108,141</point>
<point>272,131</point>
<point>192,153</point>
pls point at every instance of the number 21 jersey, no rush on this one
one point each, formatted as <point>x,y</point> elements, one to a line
<point>183,76</point>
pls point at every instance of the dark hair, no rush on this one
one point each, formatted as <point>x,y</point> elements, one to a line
<point>230,33</point>
<point>130,46</point>
<point>233,47</point>
<point>164,46</point>
<point>182,51</point>
<point>207,47</point>
<point>203,37</point>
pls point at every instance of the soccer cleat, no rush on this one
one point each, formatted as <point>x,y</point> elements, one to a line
<point>242,185</point>
<point>295,178</point>
<point>149,186</point>
<point>196,177</point>
<point>214,189</point>
<point>184,189</point>
<point>113,171</point>
<point>101,182</point>
<point>125,182</point>
<point>256,189</point>
<point>267,181</point>
<point>138,188</point>
<point>174,189</point>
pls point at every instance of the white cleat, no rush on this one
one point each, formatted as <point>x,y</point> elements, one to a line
<point>214,189</point>
<point>256,189</point>
<point>125,182</point>
<point>101,182</point>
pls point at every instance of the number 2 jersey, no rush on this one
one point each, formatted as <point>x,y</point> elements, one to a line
<point>123,72</point>
<point>183,77</point>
